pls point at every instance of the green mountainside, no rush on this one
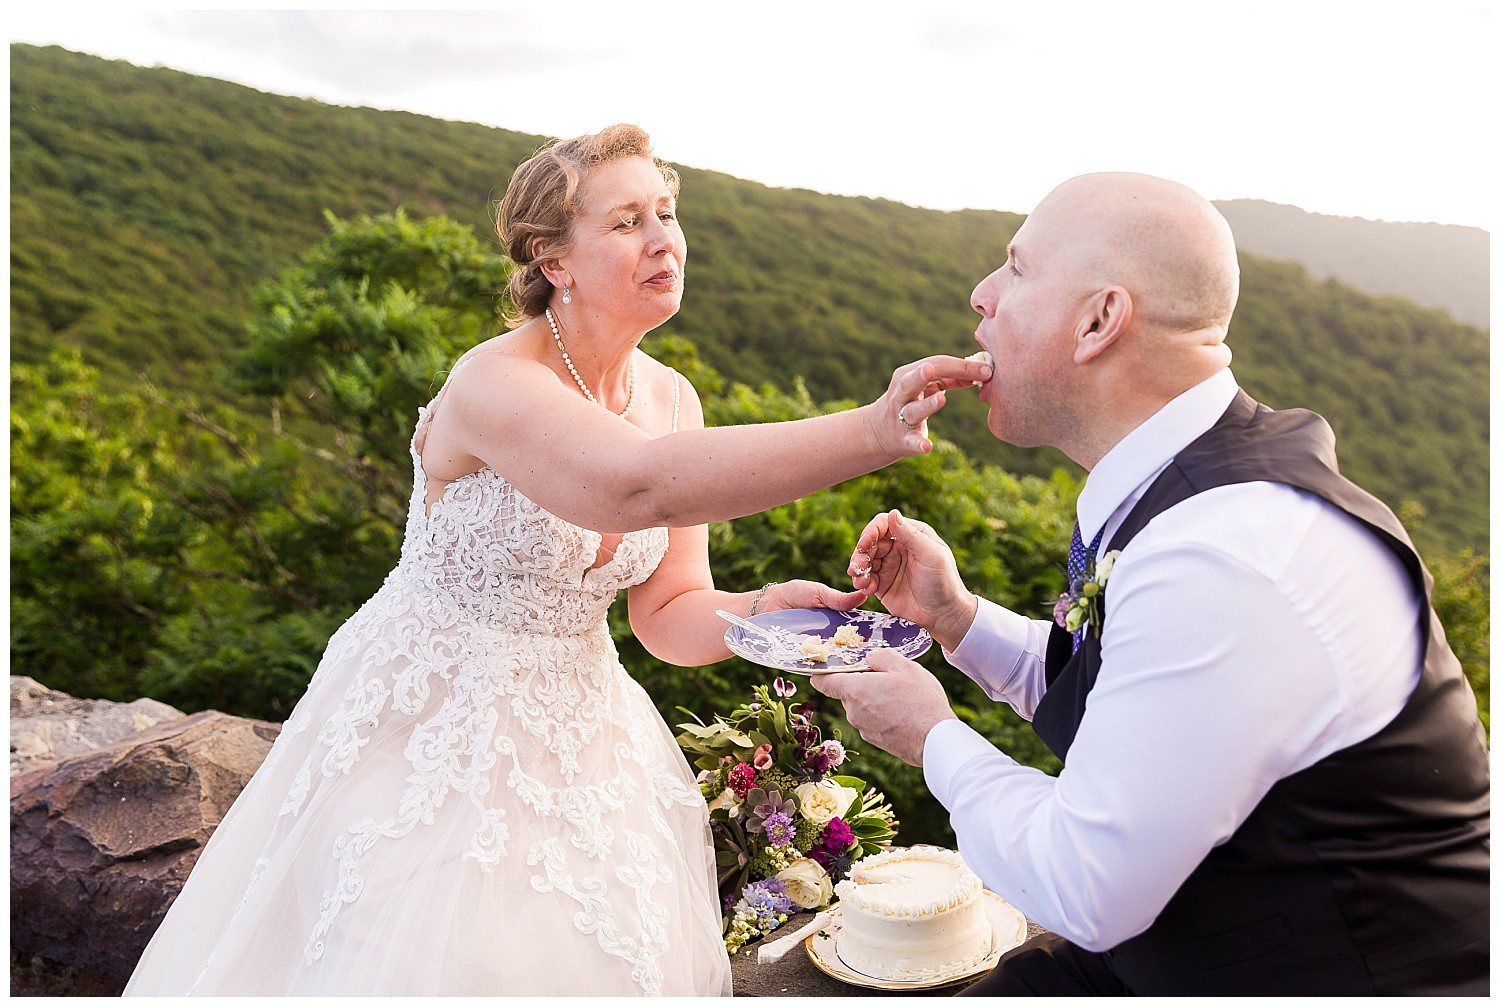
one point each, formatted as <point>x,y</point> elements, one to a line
<point>148,204</point>
<point>212,385</point>
<point>1439,265</point>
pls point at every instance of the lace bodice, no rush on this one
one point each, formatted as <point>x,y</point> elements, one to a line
<point>505,560</point>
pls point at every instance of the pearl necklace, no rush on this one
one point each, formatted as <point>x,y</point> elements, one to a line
<point>630,398</point>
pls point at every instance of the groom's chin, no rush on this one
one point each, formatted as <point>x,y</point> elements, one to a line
<point>1006,428</point>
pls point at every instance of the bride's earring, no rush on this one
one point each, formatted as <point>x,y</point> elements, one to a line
<point>567,297</point>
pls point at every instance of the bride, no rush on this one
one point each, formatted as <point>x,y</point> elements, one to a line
<point>473,796</point>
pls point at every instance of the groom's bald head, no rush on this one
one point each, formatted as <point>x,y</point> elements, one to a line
<point>1115,297</point>
<point>1161,241</point>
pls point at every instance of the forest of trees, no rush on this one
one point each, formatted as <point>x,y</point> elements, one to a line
<point>223,327</point>
<point>1440,265</point>
<point>147,204</point>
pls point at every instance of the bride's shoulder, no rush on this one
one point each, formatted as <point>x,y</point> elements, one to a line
<point>504,361</point>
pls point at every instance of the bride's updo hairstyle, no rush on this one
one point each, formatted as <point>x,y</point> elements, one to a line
<point>535,219</point>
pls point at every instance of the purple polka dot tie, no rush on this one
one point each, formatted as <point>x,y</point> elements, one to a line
<point>1080,562</point>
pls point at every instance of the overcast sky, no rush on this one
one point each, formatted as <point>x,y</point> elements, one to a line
<point>1366,109</point>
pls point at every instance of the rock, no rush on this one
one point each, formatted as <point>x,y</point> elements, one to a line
<point>101,844</point>
<point>46,725</point>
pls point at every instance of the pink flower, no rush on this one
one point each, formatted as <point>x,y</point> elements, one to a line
<point>834,751</point>
<point>742,779</point>
<point>762,759</point>
<point>1060,610</point>
<point>784,689</point>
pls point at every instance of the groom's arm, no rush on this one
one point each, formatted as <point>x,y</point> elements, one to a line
<point>1006,654</point>
<point>1217,680</point>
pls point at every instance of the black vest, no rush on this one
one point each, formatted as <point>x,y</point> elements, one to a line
<point>1367,872</point>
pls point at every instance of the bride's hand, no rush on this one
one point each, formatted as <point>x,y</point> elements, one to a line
<point>898,419</point>
<point>809,594</point>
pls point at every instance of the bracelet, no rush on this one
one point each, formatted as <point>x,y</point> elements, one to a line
<point>755,605</point>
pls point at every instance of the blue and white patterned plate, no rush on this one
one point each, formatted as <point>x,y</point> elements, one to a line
<point>786,631</point>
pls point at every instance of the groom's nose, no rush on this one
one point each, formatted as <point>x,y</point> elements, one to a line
<point>982,299</point>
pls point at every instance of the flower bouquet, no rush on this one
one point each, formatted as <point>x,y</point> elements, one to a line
<point>786,828</point>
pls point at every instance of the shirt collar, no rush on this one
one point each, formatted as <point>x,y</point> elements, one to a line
<point>1146,450</point>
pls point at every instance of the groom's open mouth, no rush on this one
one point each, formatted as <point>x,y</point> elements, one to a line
<point>983,357</point>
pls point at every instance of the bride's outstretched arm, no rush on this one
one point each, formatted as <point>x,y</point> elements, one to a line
<point>593,468</point>
<point>672,611</point>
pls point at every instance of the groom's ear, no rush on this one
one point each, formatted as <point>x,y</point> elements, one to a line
<point>1105,317</point>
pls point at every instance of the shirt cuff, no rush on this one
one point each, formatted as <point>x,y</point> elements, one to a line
<point>949,746</point>
<point>993,649</point>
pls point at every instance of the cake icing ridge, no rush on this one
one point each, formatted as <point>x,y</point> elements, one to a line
<point>913,914</point>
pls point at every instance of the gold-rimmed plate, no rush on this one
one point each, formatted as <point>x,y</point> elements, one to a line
<point>1007,923</point>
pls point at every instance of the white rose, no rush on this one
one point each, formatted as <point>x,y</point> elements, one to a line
<point>824,800</point>
<point>807,884</point>
<point>1105,565</point>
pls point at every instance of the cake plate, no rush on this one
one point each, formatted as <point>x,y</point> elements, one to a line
<point>1008,925</point>
<point>774,639</point>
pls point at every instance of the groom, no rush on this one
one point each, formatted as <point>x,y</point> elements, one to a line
<point>1274,780</point>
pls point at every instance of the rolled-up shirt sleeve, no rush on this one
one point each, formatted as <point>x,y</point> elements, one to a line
<point>1006,655</point>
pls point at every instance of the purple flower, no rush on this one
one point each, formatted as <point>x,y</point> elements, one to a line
<point>779,829</point>
<point>765,806</point>
<point>837,836</point>
<point>784,689</point>
<point>767,898</point>
<point>1060,610</point>
<point>818,761</point>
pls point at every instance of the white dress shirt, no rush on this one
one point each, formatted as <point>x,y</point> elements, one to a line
<point>1253,630</point>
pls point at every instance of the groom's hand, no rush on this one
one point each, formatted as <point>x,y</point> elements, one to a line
<point>893,706</point>
<point>911,570</point>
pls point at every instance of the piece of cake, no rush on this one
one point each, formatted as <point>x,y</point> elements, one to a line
<point>913,914</point>
<point>817,649</point>
<point>847,636</point>
<point>983,357</point>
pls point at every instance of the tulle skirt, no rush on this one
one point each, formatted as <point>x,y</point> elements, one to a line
<point>485,813</point>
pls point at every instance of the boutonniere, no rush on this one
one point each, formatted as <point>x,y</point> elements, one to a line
<point>1079,604</point>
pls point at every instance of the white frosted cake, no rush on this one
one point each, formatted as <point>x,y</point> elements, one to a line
<point>912,914</point>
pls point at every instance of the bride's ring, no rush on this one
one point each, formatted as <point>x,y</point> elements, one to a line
<point>901,418</point>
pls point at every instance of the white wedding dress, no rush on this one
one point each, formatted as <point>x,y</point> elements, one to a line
<point>472,796</point>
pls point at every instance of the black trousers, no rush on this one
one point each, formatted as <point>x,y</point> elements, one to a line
<point>1048,965</point>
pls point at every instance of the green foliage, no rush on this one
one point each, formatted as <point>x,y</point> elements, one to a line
<point>1461,597</point>
<point>158,547</point>
<point>147,204</point>
<point>210,473</point>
